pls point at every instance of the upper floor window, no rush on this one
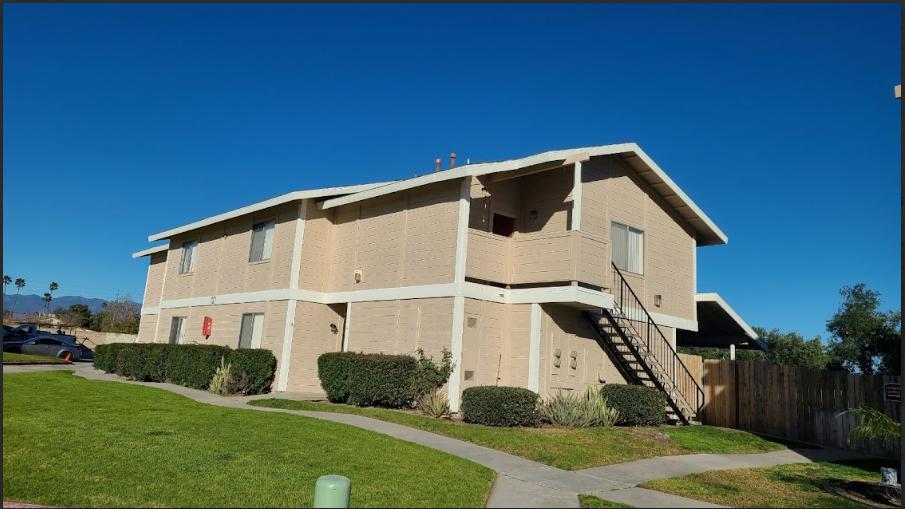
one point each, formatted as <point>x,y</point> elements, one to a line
<point>188,256</point>
<point>261,241</point>
<point>251,330</point>
<point>628,248</point>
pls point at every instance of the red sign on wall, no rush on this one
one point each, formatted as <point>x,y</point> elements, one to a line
<point>206,326</point>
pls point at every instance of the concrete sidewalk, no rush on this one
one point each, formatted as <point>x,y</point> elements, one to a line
<point>520,482</point>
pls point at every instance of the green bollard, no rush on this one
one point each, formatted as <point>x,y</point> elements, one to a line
<point>332,491</point>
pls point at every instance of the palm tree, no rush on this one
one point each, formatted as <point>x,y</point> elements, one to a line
<point>6,282</point>
<point>20,284</point>
<point>47,298</point>
<point>54,287</point>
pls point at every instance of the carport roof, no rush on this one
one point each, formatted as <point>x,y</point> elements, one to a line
<point>719,325</point>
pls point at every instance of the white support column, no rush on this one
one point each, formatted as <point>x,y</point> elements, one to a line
<point>576,197</point>
<point>347,324</point>
<point>534,349</point>
<point>732,351</point>
<point>296,267</point>
<point>163,286</point>
<point>455,379</point>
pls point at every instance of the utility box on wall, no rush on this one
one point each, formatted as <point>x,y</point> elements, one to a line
<point>207,326</point>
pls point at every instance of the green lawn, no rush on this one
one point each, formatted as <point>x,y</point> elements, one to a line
<point>569,449</point>
<point>19,358</point>
<point>797,485</point>
<point>592,501</point>
<point>79,443</point>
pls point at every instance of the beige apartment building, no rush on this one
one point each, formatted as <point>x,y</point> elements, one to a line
<point>551,272</point>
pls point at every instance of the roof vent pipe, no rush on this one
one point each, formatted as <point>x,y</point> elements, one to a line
<point>437,165</point>
<point>452,160</point>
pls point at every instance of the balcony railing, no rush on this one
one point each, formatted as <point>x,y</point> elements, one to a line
<point>537,258</point>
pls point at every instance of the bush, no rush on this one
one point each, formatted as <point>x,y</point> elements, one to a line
<point>257,366</point>
<point>252,370</point>
<point>500,406</point>
<point>333,369</point>
<point>638,405</point>
<point>105,356</point>
<point>382,380</point>
<point>434,404</point>
<point>576,410</point>
<point>194,365</point>
<point>228,380</point>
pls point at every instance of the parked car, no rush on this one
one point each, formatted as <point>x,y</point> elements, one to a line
<point>63,346</point>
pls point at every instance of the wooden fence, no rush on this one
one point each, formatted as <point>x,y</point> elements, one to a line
<point>795,403</point>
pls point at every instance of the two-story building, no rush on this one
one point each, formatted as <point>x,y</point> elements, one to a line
<point>554,271</point>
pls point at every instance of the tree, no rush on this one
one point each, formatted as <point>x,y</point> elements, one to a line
<point>119,315</point>
<point>792,348</point>
<point>20,284</point>
<point>77,315</point>
<point>864,339</point>
<point>53,287</point>
<point>46,299</point>
<point>6,282</point>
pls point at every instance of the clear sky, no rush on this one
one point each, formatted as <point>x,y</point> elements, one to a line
<point>779,120</point>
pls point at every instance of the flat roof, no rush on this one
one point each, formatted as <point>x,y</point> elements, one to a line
<point>719,325</point>
<point>151,250</point>
<point>261,205</point>
<point>708,233</point>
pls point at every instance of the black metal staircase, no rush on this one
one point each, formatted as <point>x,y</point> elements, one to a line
<point>646,355</point>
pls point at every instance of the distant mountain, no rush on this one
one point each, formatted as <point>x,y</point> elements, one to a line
<point>33,303</point>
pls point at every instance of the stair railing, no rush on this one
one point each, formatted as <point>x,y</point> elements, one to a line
<point>630,307</point>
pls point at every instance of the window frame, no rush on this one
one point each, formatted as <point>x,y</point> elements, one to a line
<point>192,261</point>
<point>251,244</point>
<point>177,336</point>
<point>253,342</point>
<point>628,230</point>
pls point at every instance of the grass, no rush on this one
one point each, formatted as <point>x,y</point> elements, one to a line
<point>798,485</point>
<point>592,501</point>
<point>569,449</point>
<point>20,358</point>
<point>78,443</point>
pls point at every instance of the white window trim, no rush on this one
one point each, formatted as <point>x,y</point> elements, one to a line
<point>265,256</point>
<point>193,261</point>
<point>629,230</point>
<point>256,326</point>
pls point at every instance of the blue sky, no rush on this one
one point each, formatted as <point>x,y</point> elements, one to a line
<point>779,120</point>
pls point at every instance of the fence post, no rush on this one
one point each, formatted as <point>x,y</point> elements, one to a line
<point>332,491</point>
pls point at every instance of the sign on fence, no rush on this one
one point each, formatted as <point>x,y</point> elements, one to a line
<point>892,392</point>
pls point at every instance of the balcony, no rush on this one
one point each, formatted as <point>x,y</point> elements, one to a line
<point>537,257</point>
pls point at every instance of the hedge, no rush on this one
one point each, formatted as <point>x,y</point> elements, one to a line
<point>500,406</point>
<point>379,379</point>
<point>188,365</point>
<point>638,405</point>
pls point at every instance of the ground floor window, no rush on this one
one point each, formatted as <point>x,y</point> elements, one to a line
<point>251,331</point>
<point>177,330</point>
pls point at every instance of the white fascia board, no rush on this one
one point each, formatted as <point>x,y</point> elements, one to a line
<point>150,310</point>
<point>151,250</point>
<point>715,297</point>
<point>714,229</point>
<point>569,156</point>
<point>674,321</point>
<point>261,205</point>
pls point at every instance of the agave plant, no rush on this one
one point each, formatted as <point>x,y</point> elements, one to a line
<point>576,410</point>
<point>434,404</point>
<point>873,425</point>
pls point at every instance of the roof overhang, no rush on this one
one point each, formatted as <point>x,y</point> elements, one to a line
<point>261,205</point>
<point>719,326</point>
<point>707,232</point>
<point>151,250</point>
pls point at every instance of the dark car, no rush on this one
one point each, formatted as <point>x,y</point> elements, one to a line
<point>63,346</point>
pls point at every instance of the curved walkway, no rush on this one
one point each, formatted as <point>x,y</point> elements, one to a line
<point>520,482</point>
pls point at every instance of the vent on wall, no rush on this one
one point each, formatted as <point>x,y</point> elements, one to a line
<point>472,322</point>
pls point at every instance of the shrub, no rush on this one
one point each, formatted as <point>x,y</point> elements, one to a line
<point>333,369</point>
<point>130,362</point>
<point>500,406</point>
<point>156,361</point>
<point>228,380</point>
<point>194,365</point>
<point>637,405</point>
<point>382,380</point>
<point>578,410</point>
<point>434,404</point>
<point>257,366</point>
<point>105,356</point>
<point>429,376</point>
